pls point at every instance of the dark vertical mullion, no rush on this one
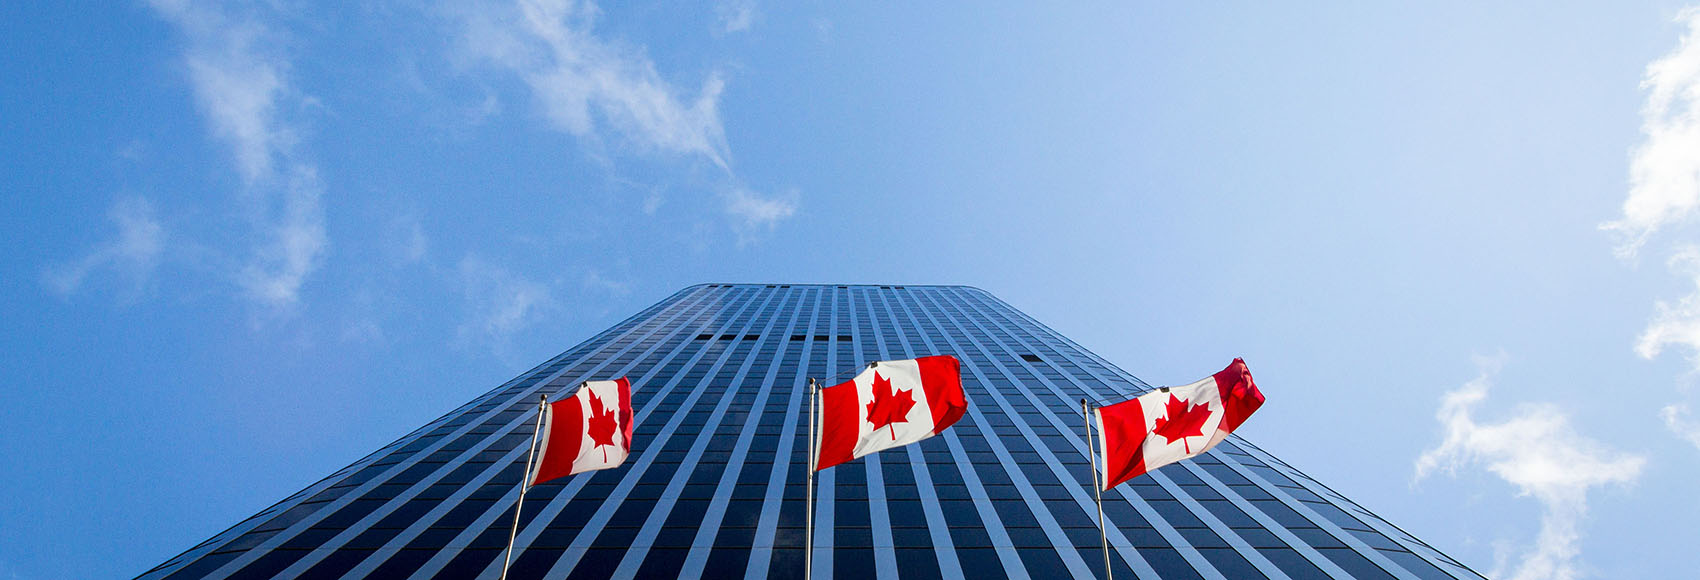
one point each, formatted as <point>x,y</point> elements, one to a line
<point>1047,522</point>
<point>490,516</point>
<point>697,558</point>
<point>944,548</point>
<point>630,476</point>
<point>879,518</point>
<point>1071,433</point>
<point>683,348</point>
<point>1076,438</point>
<point>1221,529</point>
<point>767,526</point>
<point>633,560</point>
<point>825,481</point>
<point>565,494</point>
<point>1003,547</point>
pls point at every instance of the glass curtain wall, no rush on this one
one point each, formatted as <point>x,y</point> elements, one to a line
<point>715,486</point>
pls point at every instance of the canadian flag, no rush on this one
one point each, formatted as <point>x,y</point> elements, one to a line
<point>891,403</point>
<point>1174,423</point>
<point>588,431</point>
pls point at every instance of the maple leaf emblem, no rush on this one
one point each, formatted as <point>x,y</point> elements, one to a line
<point>1182,422</point>
<point>888,407</point>
<point>602,425</point>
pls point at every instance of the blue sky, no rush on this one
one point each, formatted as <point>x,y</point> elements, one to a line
<point>249,242</point>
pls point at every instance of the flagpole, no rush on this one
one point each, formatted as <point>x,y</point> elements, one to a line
<point>1097,488</point>
<point>524,483</point>
<point>809,533</point>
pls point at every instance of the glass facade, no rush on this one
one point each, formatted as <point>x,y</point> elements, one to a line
<point>715,486</point>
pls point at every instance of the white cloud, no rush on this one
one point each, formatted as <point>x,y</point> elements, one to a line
<point>652,201</point>
<point>585,83</point>
<point>364,331</point>
<point>134,252</point>
<point>499,302</point>
<point>1542,455</point>
<point>755,212</point>
<point>823,30</point>
<point>599,89</point>
<point>1665,190</point>
<point>1679,323</point>
<point>1664,171</point>
<point>406,241</point>
<point>293,247</point>
<point>594,280</point>
<point>239,77</point>
<point>735,15</point>
<point>1676,418</point>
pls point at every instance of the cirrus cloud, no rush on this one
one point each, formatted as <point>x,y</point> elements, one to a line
<point>1540,453</point>
<point>588,86</point>
<point>134,251</point>
<point>500,303</point>
<point>599,89</point>
<point>239,77</point>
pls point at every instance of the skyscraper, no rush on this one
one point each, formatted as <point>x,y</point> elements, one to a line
<point>715,485</point>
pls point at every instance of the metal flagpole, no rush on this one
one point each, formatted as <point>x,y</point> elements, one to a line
<point>809,534</point>
<point>1097,488</point>
<point>524,483</point>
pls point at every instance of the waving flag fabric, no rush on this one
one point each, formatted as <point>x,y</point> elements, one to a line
<point>588,431</point>
<point>1168,425</point>
<point>890,404</point>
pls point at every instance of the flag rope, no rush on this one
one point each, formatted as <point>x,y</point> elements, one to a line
<point>524,483</point>
<point>850,372</point>
<point>1101,402</point>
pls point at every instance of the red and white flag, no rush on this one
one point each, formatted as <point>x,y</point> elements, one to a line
<point>1168,425</point>
<point>588,431</point>
<point>890,404</point>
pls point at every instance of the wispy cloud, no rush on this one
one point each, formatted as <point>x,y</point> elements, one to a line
<point>1539,452</point>
<point>755,212</point>
<point>134,251</point>
<point>1679,323</point>
<point>823,30</point>
<point>1676,417</point>
<point>594,280</point>
<point>499,303</point>
<point>406,241</point>
<point>735,15</point>
<point>588,86</point>
<point>603,90</point>
<point>293,243</point>
<point>1664,171</point>
<point>239,76</point>
<point>652,201</point>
